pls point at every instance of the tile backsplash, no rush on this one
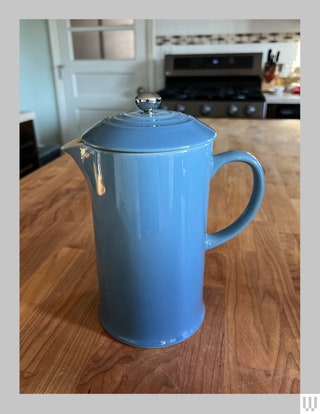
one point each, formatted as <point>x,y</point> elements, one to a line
<point>227,38</point>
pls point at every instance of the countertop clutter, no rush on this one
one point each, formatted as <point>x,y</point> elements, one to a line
<point>282,90</point>
<point>249,340</point>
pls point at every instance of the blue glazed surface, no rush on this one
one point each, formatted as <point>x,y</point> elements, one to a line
<point>141,132</point>
<point>150,216</point>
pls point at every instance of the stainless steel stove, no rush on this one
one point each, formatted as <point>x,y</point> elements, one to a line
<point>214,85</point>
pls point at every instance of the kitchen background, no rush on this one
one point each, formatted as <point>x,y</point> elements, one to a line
<point>39,73</point>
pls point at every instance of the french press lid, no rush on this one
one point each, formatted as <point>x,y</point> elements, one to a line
<point>148,129</point>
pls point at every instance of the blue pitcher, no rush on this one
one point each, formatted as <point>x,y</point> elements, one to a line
<point>149,175</point>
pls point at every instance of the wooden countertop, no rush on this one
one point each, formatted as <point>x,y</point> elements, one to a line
<point>249,340</point>
<point>284,98</point>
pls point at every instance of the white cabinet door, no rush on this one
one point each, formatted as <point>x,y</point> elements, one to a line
<point>99,65</point>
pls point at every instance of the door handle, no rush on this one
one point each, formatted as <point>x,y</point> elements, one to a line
<point>59,68</point>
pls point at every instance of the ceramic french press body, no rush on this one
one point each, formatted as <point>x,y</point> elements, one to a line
<point>149,175</point>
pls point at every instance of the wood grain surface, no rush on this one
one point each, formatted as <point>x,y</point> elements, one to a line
<point>249,340</point>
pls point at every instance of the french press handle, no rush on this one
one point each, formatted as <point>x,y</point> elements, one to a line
<point>219,160</point>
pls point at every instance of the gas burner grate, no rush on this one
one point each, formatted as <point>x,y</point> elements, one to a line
<point>214,85</point>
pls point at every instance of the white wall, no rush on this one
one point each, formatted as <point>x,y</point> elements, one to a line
<point>180,27</point>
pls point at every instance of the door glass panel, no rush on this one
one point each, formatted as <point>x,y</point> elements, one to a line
<point>117,44</point>
<point>84,23</point>
<point>86,45</point>
<point>102,22</point>
<point>103,39</point>
<point>116,22</point>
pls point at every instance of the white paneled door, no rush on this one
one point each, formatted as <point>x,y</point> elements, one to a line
<point>99,66</point>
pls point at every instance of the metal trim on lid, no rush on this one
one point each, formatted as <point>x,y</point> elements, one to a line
<point>148,102</point>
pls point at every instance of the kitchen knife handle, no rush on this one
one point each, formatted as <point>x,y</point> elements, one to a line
<point>219,160</point>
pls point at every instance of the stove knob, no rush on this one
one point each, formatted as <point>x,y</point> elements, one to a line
<point>233,109</point>
<point>206,109</point>
<point>250,110</point>
<point>181,107</point>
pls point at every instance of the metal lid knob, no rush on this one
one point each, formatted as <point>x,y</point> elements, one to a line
<point>148,102</point>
